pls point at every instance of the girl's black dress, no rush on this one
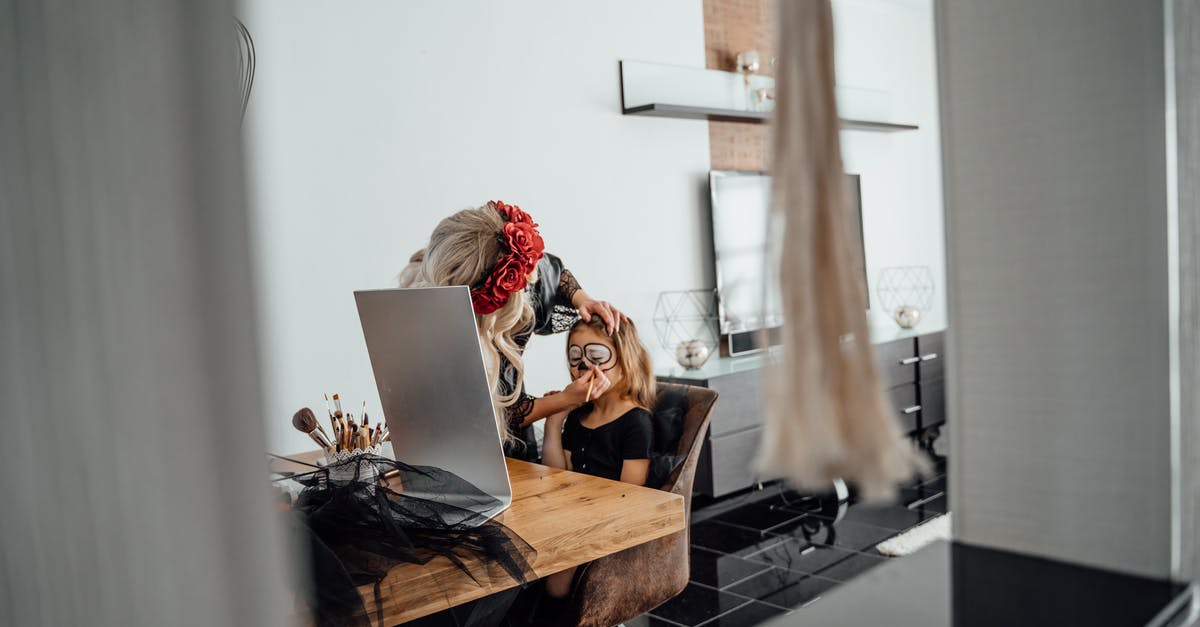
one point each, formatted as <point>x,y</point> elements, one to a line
<point>602,451</point>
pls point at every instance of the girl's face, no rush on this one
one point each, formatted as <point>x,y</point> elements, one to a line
<point>587,347</point>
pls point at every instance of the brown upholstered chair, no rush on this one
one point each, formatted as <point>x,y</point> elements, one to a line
<point>622,586</point>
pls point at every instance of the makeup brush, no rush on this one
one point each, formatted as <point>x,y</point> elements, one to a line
<point>319,427</point>
<point>329,410</point>
<point>366,420</point>
<point>305,421</point>
<point>337,402</point>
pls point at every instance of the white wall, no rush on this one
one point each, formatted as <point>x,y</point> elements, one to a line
<point>888,45</point>
<point>370,121</point>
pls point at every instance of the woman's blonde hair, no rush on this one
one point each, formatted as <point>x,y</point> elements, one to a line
<point>462,250</point>
<point>634,359</point>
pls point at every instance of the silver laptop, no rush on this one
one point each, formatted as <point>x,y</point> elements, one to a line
<point>429,369</point>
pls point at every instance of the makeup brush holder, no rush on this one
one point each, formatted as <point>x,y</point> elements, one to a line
<point>345,466</point>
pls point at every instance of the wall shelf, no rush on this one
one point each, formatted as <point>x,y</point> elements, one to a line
<point>669,91</point>
<point>661,110</point>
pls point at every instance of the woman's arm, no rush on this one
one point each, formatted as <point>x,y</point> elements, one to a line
<point>571,397</point>
<point>552,448</point>
<point>588,307</point>
<point>570,291</point>
<point>635,471</point>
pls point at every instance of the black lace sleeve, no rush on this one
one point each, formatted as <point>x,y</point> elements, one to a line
<point>551,297</point>
<point>518,411</point>
<point>567,286</point>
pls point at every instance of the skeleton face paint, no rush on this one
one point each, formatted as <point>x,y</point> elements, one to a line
<point>592,353</point>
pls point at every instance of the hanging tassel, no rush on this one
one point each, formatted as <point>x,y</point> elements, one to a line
<point>827,417</point>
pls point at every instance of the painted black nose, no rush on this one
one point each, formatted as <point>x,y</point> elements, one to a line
<point>583,366</point>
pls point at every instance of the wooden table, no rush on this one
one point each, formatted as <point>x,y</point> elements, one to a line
<point>569,518</point>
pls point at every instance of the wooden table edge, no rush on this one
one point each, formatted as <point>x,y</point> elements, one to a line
<point>437,603</point>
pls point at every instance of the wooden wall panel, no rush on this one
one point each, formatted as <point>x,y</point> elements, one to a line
<point>730,27</point>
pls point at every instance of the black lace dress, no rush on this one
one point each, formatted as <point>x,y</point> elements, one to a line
<point>553,313</point>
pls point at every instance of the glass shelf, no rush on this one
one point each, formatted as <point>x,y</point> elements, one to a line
<point>659,90</point>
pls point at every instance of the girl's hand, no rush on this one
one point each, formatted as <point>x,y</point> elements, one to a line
<point>556,420</point>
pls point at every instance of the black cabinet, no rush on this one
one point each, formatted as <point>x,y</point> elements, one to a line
<point>912,368</point>
<point>912,373</point>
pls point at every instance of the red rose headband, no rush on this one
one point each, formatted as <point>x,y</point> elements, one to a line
<point>511,272</point>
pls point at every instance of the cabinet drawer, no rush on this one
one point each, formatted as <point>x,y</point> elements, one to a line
<point>731,458</point>
<point>933,403</point>
<point>897,362</point>
<point>904,401</point>
<point>741,405</point>
<point>932,351</point>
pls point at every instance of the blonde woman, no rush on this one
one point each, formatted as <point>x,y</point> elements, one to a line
<point>517,290</point>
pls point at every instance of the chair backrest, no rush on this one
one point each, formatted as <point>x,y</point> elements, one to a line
<point>696,405</point>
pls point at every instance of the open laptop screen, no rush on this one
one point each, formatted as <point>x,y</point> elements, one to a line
<point>433,388</point>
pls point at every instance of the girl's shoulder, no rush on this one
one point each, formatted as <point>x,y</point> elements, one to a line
<point>637,416</point>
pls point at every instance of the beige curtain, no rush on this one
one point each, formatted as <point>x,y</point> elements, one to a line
<point>827,416</point>
<point>132,476</point>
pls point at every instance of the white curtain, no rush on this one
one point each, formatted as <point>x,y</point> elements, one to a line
<point>132,479</point>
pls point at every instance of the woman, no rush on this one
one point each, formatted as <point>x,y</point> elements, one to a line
<point>517,290</point>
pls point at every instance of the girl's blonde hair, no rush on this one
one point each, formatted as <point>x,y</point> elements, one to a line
<point>634,360</point>
<point>462,250</point>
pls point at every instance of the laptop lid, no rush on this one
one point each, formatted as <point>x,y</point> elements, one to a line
<point>429,371</point>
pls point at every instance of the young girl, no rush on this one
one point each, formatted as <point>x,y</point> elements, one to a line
<point>610,435</point>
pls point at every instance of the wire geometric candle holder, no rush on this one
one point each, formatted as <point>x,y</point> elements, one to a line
<point>905,293</point>
<point>686,324</point>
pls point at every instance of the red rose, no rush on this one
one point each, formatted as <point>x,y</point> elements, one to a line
<point>524,242</point>
<point>509,276</point>
<point>513,213</point>
<point>484,300</point>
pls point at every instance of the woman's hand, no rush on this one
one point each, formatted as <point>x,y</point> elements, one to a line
<point>577,391</point>
<point>589,307</point>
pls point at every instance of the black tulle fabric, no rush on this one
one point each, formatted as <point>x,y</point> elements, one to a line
<point>358,530</point>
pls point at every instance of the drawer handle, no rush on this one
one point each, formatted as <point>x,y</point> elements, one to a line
<point>929,357</point>
<point>909,361</point>
<point>911,410</point>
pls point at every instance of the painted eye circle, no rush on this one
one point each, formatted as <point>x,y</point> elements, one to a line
<point>574,355</point>
<point>598,354</point>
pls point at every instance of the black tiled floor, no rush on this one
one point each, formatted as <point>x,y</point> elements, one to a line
<point>719,570</point>
<point>784,588</point>
<point>844,534</point>
<point>758,555</point>
<point>886,516</point>
<point>749,614</point>
<point>697,604</point>
<point>802,557</point>
<point>646,620</point>
<point>852,567</point>
<point>729,539</point>
<point>758,517</point>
